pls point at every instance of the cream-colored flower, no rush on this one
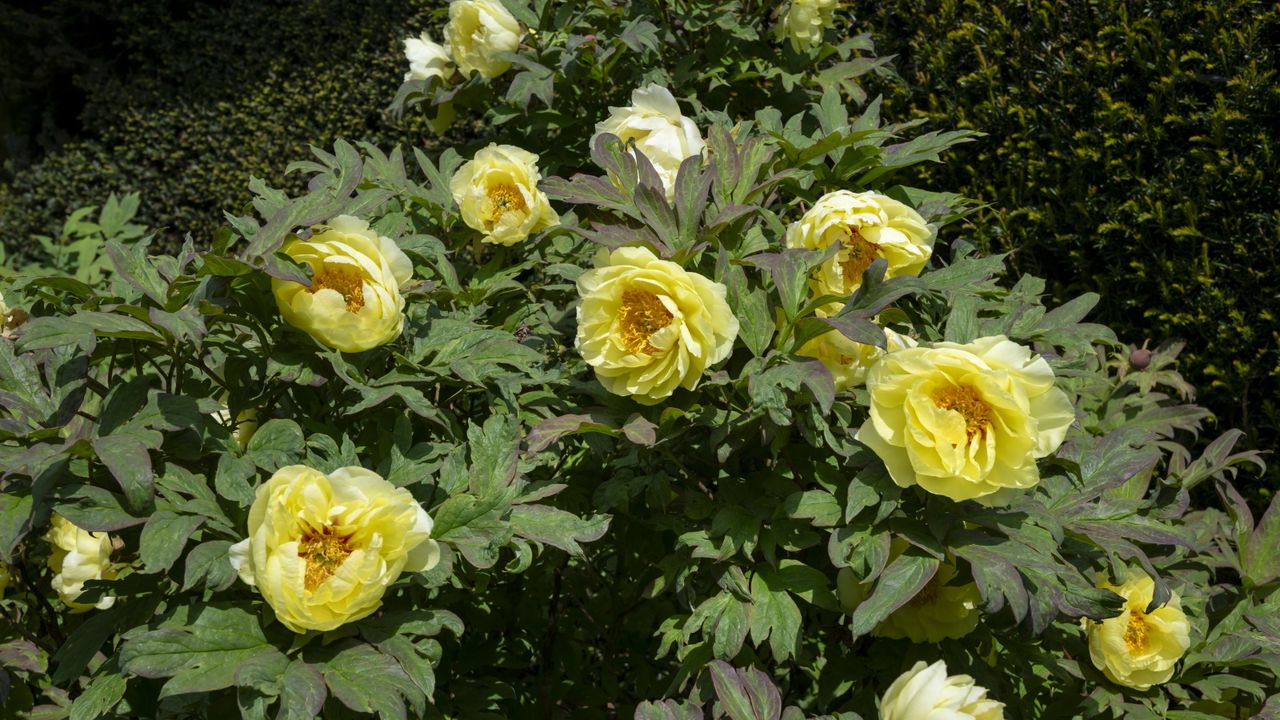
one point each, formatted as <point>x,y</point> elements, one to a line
<point>648,326</point>
<point>322,549</point>
<point>10,318</point>
<point>427,59</point>
<point>77,556</point>
<point>654,122</point>
<point>866,226</point>
<point>354,301</point>
<point>847,360</point>
<point>1138,649</point>
<point>965,421</point>
<point>928,693</point>
<point>806,21</point>
<point>477,32</point>
<point>498,193</point>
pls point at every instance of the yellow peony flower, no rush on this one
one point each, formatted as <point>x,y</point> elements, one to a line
<point>806,21</point>
<point>77,556</point>
<point>866,226</point>
<point>928,693</point>
<point>477,31</point>
<point>847,360</point>
<point>648,326</point>
<point>353,302</point>
<point>939,611</point>
<point>6,577</point>
<point>654,122</point>
<point>427,59</point>
<point>322,549</point>
<point>1138,649</point>
<point>965,421</point>
<point>498,193</point>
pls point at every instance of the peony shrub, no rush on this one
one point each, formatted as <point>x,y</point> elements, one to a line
<point>661,399</point>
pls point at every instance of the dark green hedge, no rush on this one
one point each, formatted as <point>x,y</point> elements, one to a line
<point>1131,149</point>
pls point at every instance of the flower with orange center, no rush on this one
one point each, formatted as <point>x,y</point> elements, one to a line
<point>866,226</point>
<point>965,421</point>
<point>1137,648</point>
<point>498,194</point>
<point>848,360</point>
<point>648,326</point>
<point>353,302</point>
<point>322,549</point>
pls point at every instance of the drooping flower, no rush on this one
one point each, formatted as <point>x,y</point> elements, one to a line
<point>1138,649</point>
<point>654,122</point>
<point>353,302</point>
<point>942,609</point>
<point>427,59</point>
<point>928,693</point>
<point>322,549</point>
<point>965,421</point>
<point>498,193</point>
<point>866,226</point>
<point>477,32</point>
<point>805,22</point>
<point>848,360</point>
<point>648,326</point>
<point>77,556</point>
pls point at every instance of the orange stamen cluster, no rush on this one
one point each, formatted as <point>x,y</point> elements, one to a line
<point>640,316</point>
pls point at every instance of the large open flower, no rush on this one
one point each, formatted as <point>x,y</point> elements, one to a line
<point>965,421</point>
<point>477,32</point>
<point>77,556</point>
<point>498,193</point>
<point>866,226</point>
<point>926,692</point>
<point>654,122</point>
<point>353,302</point>
<point>322,549</point>
<point>648,326</point>
<point>1137,648</point>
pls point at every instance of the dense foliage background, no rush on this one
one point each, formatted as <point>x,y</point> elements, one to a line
<point>1130,147</point>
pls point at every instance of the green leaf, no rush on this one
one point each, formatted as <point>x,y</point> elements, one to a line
<point>1259,557</point>
<point>277,443</point>
<point>200,657</point>
<point>232,479</point>
<point>495,448</point>
<point>901,581</point>
<point>775,616</point>
<point>127,458</point>
<point>96,509</point>
<point>99,698</point>
<point>368,681</point>
<point>15,520</point>
<point>209,561</point>
<point>818,506</point>
<point>557,528</point>
<point>302,692</point>
<point>163,539</point>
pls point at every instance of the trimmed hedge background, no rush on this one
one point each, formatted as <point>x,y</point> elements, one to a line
<point>1130,146</point>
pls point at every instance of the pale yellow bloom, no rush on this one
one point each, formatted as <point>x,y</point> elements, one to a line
<point>6,576</point>
<point>77,556</point>
<point>1138,649</point>
<point>654,122</point>
<point>427,59</point>
<point>477,31</point>
<point>498,193</point>
<point>806,21</point>
<point>648,326</point>
<point>928,693</point>
<point>10,318</point>
<point>354,301</point>
<point>965,421</point>
<point>322,549</point>
<point>866,226</point>
<point>941,610</point>
<point>847,360</point>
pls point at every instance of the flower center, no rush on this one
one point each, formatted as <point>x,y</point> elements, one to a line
<point>1135,635</point>
<point>323,550</point>
<point>926,596</point>
<point>505,198</point>
<point>966,400</point>
<point>641,315</point>
<point>858,254</point>
<point>344,280</point>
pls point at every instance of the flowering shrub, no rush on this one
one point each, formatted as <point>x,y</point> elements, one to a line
<point>669,408</point>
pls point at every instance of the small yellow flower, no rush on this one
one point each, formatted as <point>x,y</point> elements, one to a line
<point>965,421</point>
<point>806,21</point>
<point>928,693</point>
<point>498,193</point>
<point>866,226</point>
<point>847,360</point>
<point>6,577</point>
<point>477,32</point>
<point>1138,649</point>
<point>322,549</point>
<point>939,611</point>
<point>653,121</point>
<point>77,556</point>
<point>648,326</point>
<point>353,302</point>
